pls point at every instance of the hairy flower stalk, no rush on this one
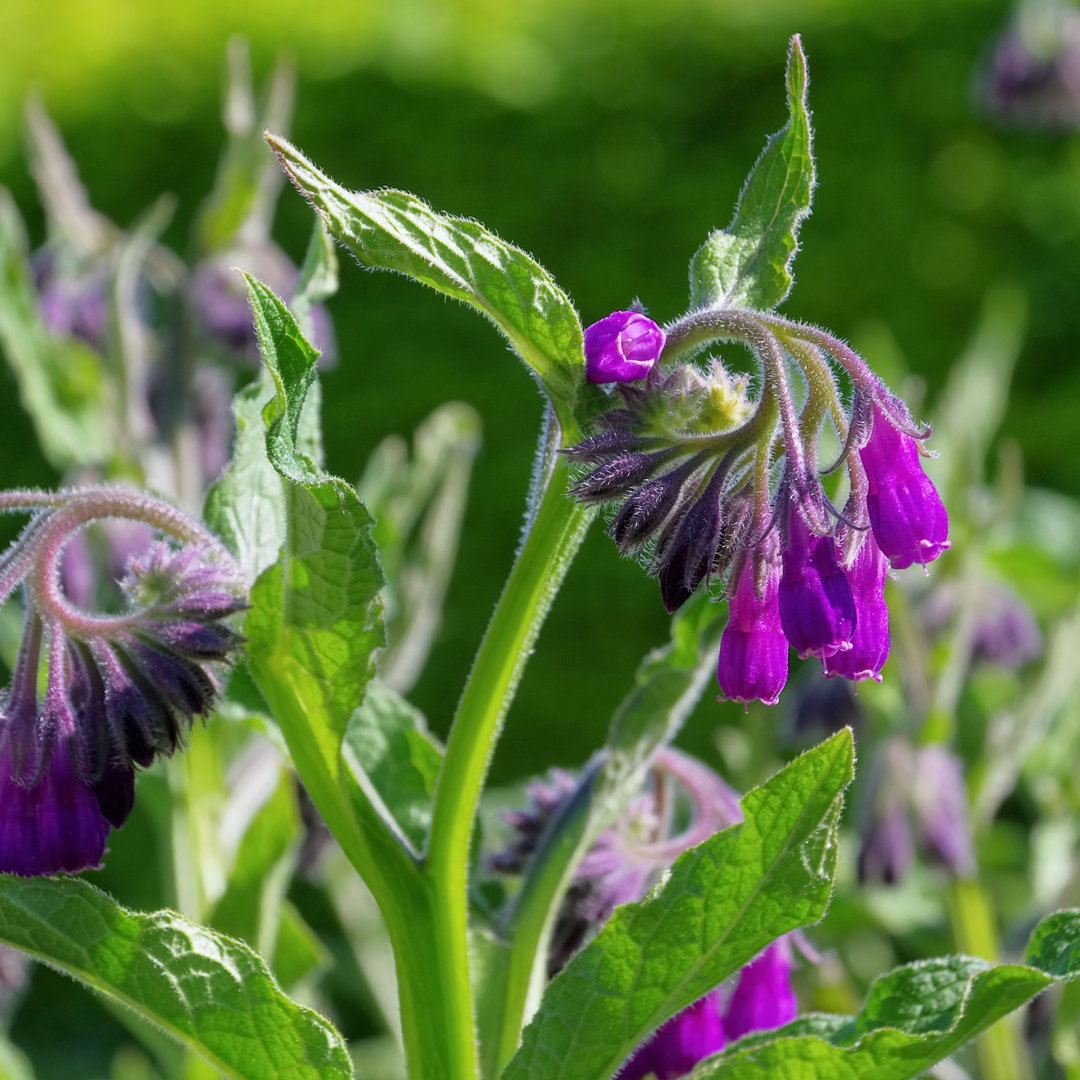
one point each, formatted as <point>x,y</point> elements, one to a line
<point>119,689</point>
<point>711,484</point>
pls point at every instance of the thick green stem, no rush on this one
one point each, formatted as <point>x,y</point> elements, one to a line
<point>556,530</point>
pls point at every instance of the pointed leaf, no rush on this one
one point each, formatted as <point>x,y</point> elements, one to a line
<point>387,744</point>
<point>914,1017</point>
<point>722,903</point>
<point>393,230</point>
<point>209,992</point>
<point>315,618</point>
<point>748,264</point>
<point>246,504</point>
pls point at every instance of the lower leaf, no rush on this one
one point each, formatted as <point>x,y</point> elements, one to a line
<point>212,993</point>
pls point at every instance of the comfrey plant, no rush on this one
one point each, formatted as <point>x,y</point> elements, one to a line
<point>637,917</point>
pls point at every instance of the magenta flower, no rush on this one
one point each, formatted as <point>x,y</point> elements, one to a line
<point>906,513</point>
<point>870,641</point>
<point>622,347</point>
<point>693,1035</point>
<point>817,610</point>
<point>753,661</point>
<point>762,999</point>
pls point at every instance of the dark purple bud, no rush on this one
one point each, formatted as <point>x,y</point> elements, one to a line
<point>649,508</point>
<point>622,347</point>
<point>1033,77</point>
<point>753,661</point>
<point>939,797</point>
<point>688,557</point>
<point>870,641</point>
<point>823,707</point>
<point>817,610</point>
<point>685,1040</point>
<point>614,478</point>
<point>906,513</point>
<point>763,998</point>
<point>1005,633</point>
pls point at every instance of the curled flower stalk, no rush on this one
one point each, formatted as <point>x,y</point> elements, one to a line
<point>712,484</point>
<point>94,695</point>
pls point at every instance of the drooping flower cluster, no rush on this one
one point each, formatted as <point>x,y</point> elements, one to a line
<point>118,689</point>
<point>713,484</point>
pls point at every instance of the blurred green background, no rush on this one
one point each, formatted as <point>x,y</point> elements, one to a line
<point>606,137</point>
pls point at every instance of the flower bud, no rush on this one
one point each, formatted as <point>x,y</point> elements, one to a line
<point>622,347</point>
<point>870,640</point>
<point>817,610</point>
<point>906,513</point>
<point>753,661</point>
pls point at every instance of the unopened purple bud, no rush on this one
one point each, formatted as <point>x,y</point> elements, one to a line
<point>753,661</point>
<point>940,801</point>
<point>817,610</point>
<point>686,1039</point>
<point>763,998</point>
<point>870,641</point>
<point>622,347</point>
<point>906,513</point>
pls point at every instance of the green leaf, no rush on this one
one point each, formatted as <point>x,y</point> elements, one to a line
<point>419,504</point>
<point>211,993</point>
<point>388,747</point>
<point>250,907</point>
<point>393,230</point>
<point>748,264</point>
<point>298,952</point>
<point>246,504</point>
<point>315,617</point>
<point>61,383</point>
<point>318,279</point>
<point>914,1017</point>
<point>722,903</point>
